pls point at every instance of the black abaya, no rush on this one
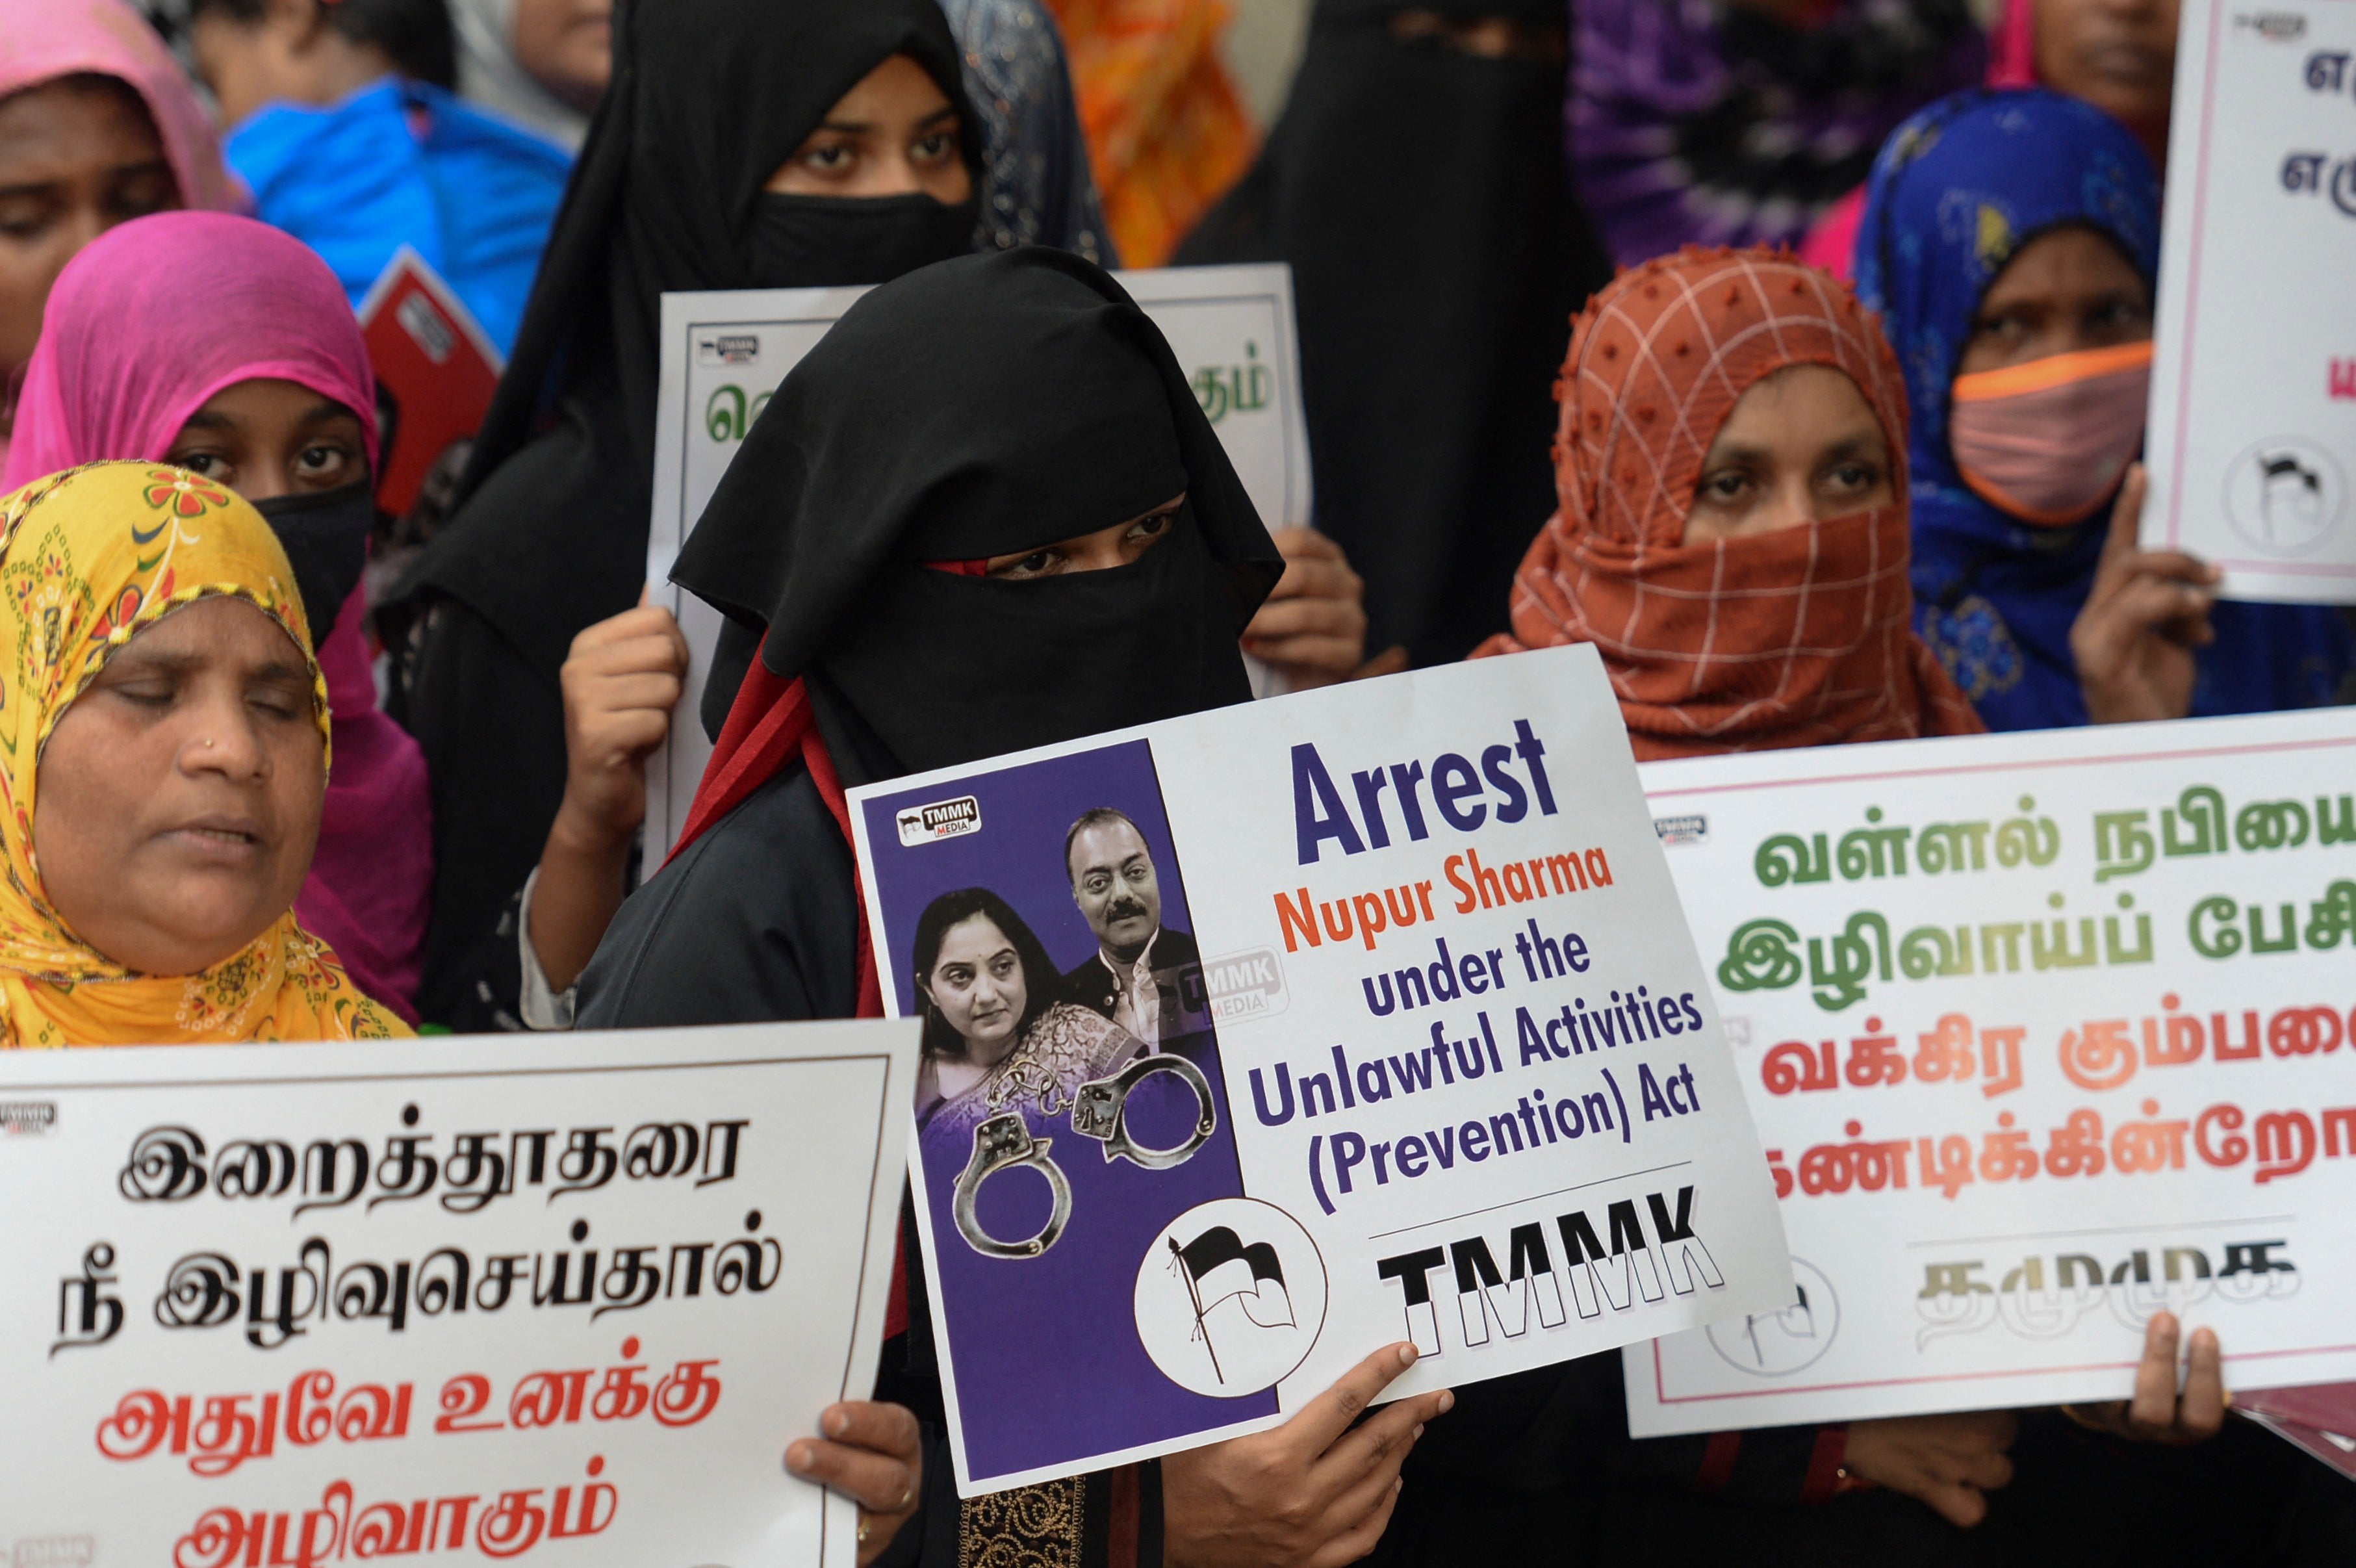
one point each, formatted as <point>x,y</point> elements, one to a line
<point>708,99</point>
<point>979,408</point>
<point>1437,255</point>
<point>721,937</point>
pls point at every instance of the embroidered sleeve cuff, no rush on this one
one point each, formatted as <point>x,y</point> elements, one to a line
<point>543,1007</point>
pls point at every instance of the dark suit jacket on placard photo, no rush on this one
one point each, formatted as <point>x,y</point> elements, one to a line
<point>1177,974</point>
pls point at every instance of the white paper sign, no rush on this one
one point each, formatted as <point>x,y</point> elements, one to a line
<point>724,352</point>
<point>1421,1048</point>
<point>2251,442</point>
<point>2045,1034</point>
<point>551,1301</point>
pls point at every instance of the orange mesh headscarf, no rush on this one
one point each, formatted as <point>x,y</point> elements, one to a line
<point>1798,638</point>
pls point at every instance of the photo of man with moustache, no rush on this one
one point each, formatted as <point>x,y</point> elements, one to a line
<point>1145,976</point>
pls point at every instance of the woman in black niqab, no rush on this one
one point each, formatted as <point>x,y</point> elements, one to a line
<point>978,410</point>
<point>880,535</point>
<point>709,98</point>
<point>1415,183</point>
<point>895,524</point>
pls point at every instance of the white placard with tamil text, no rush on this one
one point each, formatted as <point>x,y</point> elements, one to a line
<point>1231,328</point>
<point>2045,1033</point>
<point>1411,1042</point>
<point>2252,441</point>
<point>558,1301</point>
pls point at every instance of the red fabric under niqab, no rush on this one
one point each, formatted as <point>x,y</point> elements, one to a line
<point>770,727</point>
<point>1797,638</point>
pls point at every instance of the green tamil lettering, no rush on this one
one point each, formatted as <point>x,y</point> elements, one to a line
<point>723,414</point>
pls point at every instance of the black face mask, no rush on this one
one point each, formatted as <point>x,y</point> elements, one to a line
<point>944,669</point>
<point>325,534</point>
<point>824,241</point>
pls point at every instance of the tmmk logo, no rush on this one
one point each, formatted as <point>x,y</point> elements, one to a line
<point>2042,1296</point>
<point>54,1552</point>
<point>1614,1276</point>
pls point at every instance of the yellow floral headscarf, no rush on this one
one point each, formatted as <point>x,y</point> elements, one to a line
<point>89,558</point>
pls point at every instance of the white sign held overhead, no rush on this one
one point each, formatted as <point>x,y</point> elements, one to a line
<point>723,353</point>
<point>2252,442</point>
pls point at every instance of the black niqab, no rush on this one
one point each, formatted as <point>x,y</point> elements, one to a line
<point>981,407</point>
<point>708,99</point>
<point>325,534</point>
<point>1437,255</point>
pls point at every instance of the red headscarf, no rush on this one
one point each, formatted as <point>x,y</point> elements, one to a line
<point>1798,638</point>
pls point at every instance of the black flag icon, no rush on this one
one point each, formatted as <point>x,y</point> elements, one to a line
<point>1798,1321</point>
<point>1220,1266</point>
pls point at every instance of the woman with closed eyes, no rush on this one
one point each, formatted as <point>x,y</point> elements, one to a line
<point>224,346</point>
<point>164,753</point>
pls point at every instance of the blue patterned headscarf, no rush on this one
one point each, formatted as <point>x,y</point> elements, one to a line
<point>1036,187</point>
<point>1957,193</point>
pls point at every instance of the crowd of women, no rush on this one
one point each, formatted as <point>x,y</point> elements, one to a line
<point>257,790</point>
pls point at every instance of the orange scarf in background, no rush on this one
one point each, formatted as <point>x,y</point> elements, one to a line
<point>1799,638</point>
<point>1166,133</point>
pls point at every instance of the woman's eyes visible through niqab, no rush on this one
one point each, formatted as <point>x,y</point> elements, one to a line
<point>893,134</point>
<point>834,153</point>
<point>1118,546</point>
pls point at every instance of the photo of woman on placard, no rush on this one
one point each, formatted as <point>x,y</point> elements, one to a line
<point>1001,1034</point>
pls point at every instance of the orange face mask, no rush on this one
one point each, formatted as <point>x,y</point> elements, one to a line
<point>2049,441</point>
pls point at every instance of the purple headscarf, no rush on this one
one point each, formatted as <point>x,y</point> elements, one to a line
<point>1703,123</point>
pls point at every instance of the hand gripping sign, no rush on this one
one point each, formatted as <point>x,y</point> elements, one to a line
<point>1379,1015</point>
<point>308,1304</point>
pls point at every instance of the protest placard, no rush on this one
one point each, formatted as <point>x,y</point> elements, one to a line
<point>725,351</point>
<point>2253,384</point>
<point>1258,1039</point>
<point>541,1301</point>
<point>2045,1034</point>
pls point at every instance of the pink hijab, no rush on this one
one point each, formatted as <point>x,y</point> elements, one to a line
<point>41,41</point>
<point>150,319</point>
<point>2012,48</point>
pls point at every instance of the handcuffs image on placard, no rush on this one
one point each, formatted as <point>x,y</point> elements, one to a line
<point>1099,1110</point>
